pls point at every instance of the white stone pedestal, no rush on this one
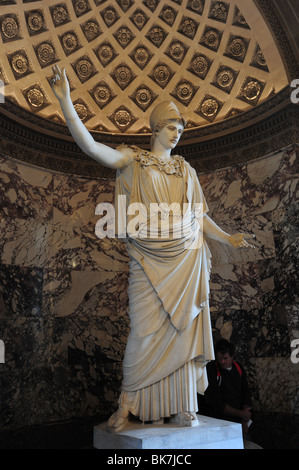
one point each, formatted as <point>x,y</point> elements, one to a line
<point>209,434</point>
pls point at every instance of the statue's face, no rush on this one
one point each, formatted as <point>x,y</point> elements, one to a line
<point>170,134</point>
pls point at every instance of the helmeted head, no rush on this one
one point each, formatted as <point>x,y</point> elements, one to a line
<point>162,114</point>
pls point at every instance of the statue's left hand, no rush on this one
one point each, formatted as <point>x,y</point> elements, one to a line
<point>238,240</point>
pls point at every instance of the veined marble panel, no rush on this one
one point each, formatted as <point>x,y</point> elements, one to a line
<point>26,242</point>
<point>286,233</point>
<point>235,286</point>
<point>75,202</point>
<point>20,291</point>
<point>28,342</point>
<point>249,189</point>
<point>75,199</point>
<point>83,293</point>
<point>223,189</point>
<point>292,315</point>
<point>277,380</point>
<point>107,254</point>
<point>25,191</point>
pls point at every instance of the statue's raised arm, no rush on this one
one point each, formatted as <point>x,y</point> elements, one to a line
<point>103,154</point>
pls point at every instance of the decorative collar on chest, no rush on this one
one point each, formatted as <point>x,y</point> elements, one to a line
<point>172,167</point>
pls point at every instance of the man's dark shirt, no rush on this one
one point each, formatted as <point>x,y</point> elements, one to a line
<point>231,390</point>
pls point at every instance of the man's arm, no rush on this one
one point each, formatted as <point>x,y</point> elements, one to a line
<point>243,414</point>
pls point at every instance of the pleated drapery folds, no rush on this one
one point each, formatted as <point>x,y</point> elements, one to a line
<point>170,340</point>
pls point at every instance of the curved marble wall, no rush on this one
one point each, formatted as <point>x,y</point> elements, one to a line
<point>63,291</point>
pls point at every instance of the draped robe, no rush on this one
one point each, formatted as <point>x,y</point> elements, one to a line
<point>170,339</point>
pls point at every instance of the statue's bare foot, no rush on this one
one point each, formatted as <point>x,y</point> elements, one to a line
<point>118,420</point>
<point>185,418</point>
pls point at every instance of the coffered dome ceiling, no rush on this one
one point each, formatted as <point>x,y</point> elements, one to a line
<point>214,59</point>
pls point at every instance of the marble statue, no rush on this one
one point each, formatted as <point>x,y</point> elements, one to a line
<point>170,340</point>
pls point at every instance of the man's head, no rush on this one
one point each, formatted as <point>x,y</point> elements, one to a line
<point>224,352</point>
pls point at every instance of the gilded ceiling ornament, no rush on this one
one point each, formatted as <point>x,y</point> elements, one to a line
<point>139,19</point>
<point>20,64</point>
<point>81,110</point>
<point>233,112</point>
<point>258,59</point>
<point>110,16</point>
<point>196,6</point>
<point>168,15</point>
<point>239,19</point>
<point>151,4</point>
<point>46,54</point>
<point>211,38</point>
<point>237,48</point>
<point>143,97</point>
<point>124,36</point>
<point>102,94</point>
<point>35,22</point>
<point>141,55</point>
<point>81,7</point>
<point>161,74</point>
<point>225,78</point>
<point>252,90</point>
<point>125,4</point>
<point>156,35</point>
<point>209,108</point>
<point>188,27</point>
<point>122,118</point>
<point>84,69</point>
<point>123,75</point>
<point>91,29</point>
<point>35,98</point>
<point>69,42</point>
<point>182,34</point>
<point>59,14</point>
<point>200,65</point>
<point>105,53</point>
<point>184,92</point>
<point>10,28</point>
<point>177,51</point>
<point>219,11</point>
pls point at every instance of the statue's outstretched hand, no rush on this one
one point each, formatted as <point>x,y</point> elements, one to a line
<point>238,240</point>
<point>59,83</point>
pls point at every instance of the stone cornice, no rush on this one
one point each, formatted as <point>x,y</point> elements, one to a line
<point>269,13</point>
